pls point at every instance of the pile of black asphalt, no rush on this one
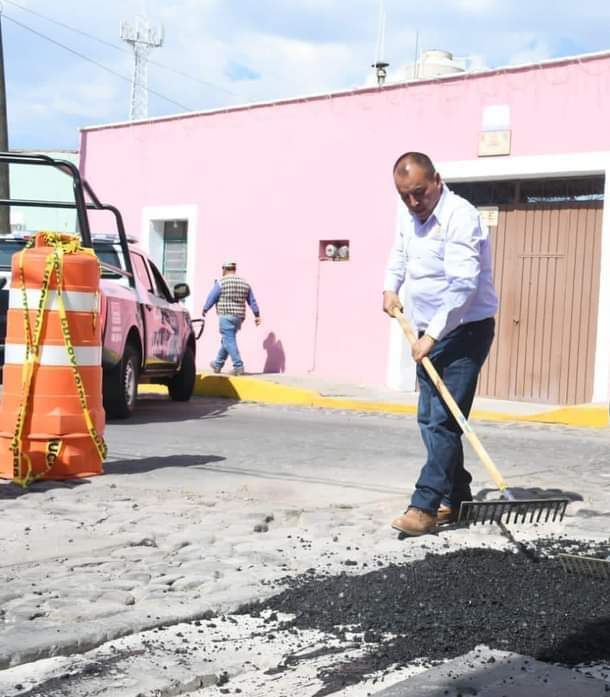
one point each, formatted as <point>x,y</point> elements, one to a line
<point>445,605</point>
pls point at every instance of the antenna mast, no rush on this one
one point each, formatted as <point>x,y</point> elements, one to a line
<point>142,36</point>
<point>380,65</point>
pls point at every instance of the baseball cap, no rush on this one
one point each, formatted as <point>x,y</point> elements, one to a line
<point>229,265</point>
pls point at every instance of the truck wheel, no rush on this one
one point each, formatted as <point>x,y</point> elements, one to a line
<point>181,385</point>
<point>121,385</point>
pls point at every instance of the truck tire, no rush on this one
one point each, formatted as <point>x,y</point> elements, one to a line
<point>181,385</point>
<point>121,385</point>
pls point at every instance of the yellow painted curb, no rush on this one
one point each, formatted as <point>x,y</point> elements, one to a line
<point>244,388</point>
<point>582,416</point>
<point>361,405</point>
<point>150,388</point>
<point>248,389</point>
<point>587,415</point>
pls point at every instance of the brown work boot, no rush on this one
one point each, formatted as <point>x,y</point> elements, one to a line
<point>446,515</point>
<point>415,522</point>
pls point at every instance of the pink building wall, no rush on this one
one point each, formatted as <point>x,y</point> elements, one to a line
<point>271,181</point>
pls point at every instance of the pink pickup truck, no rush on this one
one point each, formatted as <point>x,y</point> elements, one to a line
<point>147,332</point>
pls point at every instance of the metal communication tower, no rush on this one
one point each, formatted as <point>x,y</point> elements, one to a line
<point>142,36</point>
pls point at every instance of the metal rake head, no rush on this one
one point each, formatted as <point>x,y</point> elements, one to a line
<point>505,511</point>
<point>585,566</point>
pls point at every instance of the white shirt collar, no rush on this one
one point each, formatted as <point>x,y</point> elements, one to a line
<point>440,212</point>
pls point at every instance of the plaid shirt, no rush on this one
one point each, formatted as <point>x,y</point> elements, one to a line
<point>230,295</point>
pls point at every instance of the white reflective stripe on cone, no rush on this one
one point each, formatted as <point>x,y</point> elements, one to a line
<point>74,300</point>
<point>55,355</point>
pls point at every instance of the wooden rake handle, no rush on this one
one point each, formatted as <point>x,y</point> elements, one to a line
<point>453,406</point>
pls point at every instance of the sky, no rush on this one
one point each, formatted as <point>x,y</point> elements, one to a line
<point>218,53</point>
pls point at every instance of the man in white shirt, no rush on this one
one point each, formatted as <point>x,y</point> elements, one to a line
<point>442,254</point>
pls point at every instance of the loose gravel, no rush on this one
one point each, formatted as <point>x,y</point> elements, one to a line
<point>445,605</point>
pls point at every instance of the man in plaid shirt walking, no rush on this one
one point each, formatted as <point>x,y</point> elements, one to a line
<point>230,295</point>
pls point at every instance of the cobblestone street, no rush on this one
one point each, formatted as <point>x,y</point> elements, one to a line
<point>209,505</point>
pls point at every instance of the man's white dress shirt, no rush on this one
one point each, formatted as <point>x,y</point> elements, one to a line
<point>445,264</point>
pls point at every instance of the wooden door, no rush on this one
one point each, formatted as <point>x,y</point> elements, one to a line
<point>546,271</point>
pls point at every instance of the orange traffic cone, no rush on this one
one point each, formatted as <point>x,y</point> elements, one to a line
<point>51,416</point>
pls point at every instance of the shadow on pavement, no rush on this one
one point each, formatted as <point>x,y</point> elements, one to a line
<point>589,513</point>
<point>147,464</point>
<point>9,490</point>
<point>472,674</point>
<point>588,644</point>
<point>529,493</point>
<point>159,408</point>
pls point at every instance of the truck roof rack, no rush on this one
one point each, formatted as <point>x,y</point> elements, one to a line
<point>81,190</point>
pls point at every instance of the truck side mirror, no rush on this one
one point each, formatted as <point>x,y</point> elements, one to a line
<point>181,291</point>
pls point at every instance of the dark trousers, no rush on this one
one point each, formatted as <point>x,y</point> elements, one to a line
<point>458,358</point>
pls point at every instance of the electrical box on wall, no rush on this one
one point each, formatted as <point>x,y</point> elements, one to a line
<point>334,250</point>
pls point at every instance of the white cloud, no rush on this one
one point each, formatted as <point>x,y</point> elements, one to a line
<point>283,61</point>
<point>536,50</point>
<point>477,6</point>
<point>476,61</point>
<point>293,48</point>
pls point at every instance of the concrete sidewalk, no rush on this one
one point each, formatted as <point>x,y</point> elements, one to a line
<point>315,392</point>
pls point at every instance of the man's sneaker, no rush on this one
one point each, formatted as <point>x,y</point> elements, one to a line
<point>415,522</point>
<point>446,515</point>
<point>214,367</point>
<point>237,371</point>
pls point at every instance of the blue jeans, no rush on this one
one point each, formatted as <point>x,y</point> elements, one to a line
<point>458,358</point>
<point>229,325</point>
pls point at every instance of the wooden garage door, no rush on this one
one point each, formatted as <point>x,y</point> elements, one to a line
<point>546,270</point>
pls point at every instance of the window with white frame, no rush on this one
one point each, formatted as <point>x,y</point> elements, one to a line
<point>169,235</point>
<point>168,240</point>
<point>174,261</point>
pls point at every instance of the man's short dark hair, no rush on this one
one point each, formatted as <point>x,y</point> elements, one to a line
<point>418,158</point>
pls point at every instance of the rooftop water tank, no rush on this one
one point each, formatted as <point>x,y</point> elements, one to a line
<point>435,62</point>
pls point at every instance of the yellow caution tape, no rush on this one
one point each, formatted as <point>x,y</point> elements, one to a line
<point>31,360</point>
<point>59,252</point>
<point>52,453</point>
<point>61,244</point>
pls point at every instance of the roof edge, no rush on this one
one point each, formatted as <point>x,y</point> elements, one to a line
<point>467,75</point>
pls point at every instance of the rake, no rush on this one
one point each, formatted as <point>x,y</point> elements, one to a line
<point>508,509</point>
<point>585,566</point>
